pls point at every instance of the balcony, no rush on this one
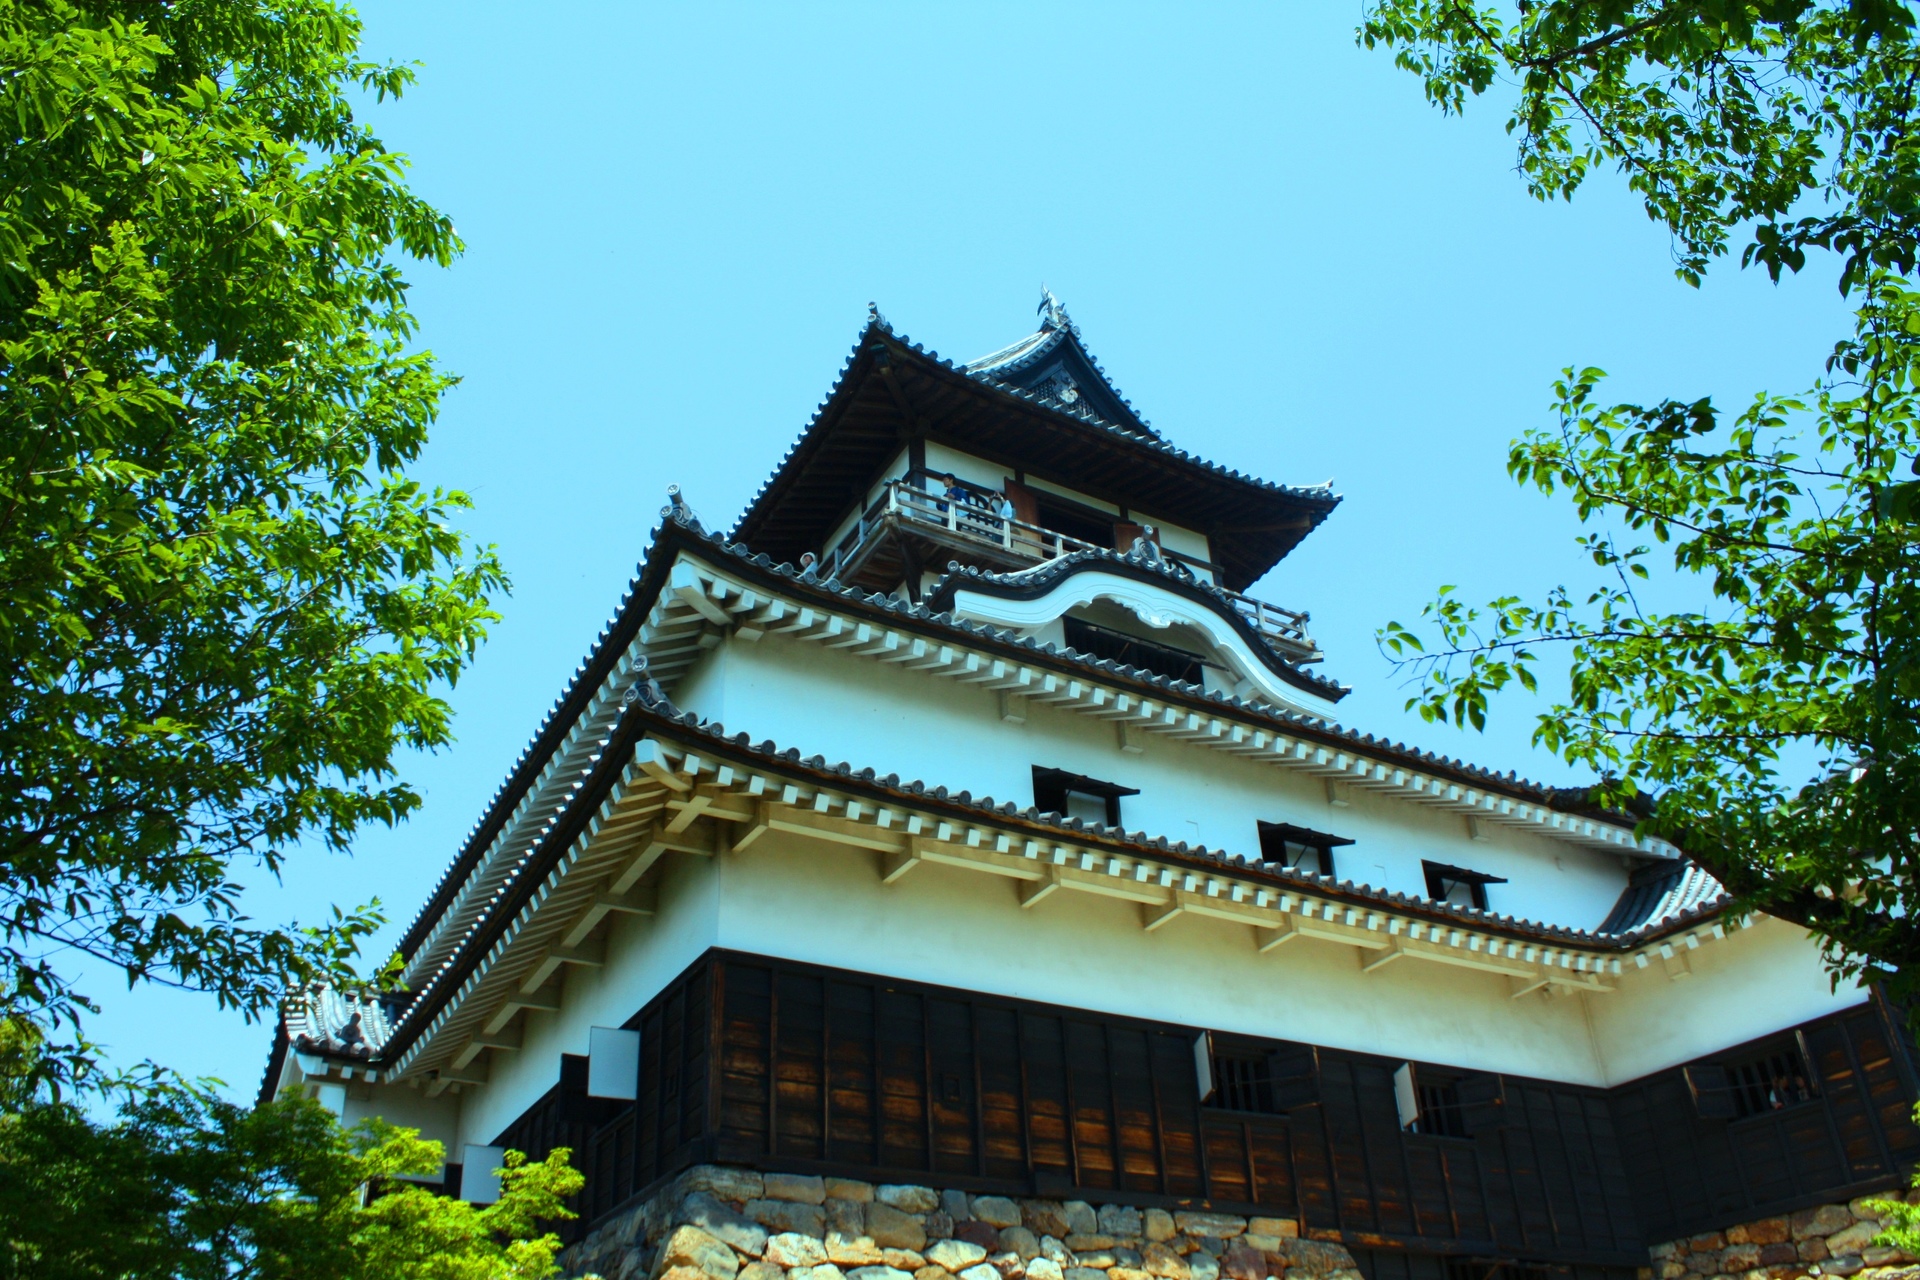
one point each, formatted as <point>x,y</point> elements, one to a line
<point>973,532</point>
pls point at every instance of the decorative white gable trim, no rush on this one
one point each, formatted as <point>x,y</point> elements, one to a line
<point>1154,606</point>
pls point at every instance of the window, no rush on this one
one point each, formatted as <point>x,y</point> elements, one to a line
<point>1076,522</point>
<point>1073,795</point>
<point>1242,1082</point>
<point>1771,1082</point>
<point>1114,646</point>
<point>1440,1111</point>
<point>1299,848</point>
<point>1458,886</point>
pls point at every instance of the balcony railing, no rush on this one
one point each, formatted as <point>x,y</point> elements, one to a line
<point>972,524</point>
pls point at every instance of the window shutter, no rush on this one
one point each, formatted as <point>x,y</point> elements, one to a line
<point>1712,1094</point>
<point>1296,1077</point>
<point>1026,507</point>
<point>1483,1102</point>
<point>1405,1097</point>
<point>1203,1063</point>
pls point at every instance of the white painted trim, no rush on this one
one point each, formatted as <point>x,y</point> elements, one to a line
<point>1157,608</point>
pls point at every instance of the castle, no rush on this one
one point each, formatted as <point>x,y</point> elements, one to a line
<point>952,867</point>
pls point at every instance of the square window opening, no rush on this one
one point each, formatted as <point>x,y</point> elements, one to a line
<point>1073,795</point>
<point>1299,848</point>
<point>1458,886</point>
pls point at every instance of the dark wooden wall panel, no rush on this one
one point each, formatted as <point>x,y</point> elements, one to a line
<point>786,1065</point>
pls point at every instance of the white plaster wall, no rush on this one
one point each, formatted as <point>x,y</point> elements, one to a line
<point>922,726</point>
<point>437,1118</point>
<point>1763,978</point>
<point>643,954</point>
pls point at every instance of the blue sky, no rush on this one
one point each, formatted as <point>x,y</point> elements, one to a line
<point>676,216</point>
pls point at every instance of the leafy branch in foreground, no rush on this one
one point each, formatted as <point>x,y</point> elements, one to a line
<point>224,605</point>
<point>184,1186</point>
<point>1804,645</point>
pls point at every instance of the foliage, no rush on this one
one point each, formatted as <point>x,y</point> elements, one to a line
<point>224,605</point>
<point>185,1185</point>
<point>1899,1221</point>
<point>1774,713</point>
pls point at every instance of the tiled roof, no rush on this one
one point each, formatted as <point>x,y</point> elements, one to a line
<point>339,1024</point>
<point>1662,892</point>
<point>1057,330</point>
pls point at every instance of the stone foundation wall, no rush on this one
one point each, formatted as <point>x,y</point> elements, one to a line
<point>721,1223</point>
<point>1833,1240</point>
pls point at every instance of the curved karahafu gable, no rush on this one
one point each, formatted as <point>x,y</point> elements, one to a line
<point>1161,595</point>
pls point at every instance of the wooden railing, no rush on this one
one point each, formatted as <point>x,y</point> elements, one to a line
<point>974,522</point>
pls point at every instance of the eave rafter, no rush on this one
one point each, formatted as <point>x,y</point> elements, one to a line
<point>732,806</point>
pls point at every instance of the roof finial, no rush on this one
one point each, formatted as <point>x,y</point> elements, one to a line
<point>1052,314</point>
<point>875,318</point>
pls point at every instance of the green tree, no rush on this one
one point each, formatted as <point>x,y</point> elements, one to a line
<point>224,605</point>
<point>1768,723</point>
<point>183,1186</point>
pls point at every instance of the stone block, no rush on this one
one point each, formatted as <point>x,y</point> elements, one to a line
<point>799,1188</point>
<point>849,1189</point>
<point>1706,1242</point>
<point>1043,1268</point>
<point>1244,1262</point>
<point>1778,1254</point>
<point>905,1259</point>
<point>825,1271</point>
<point>795,1249</point>
<point>1127,1273</point>
<point>1882,1256</point>
<point>1824,1221</point>
<point>677,1273</point>
<point>894,1228</point>
<point>789,1215</point>
<point>1101,1258</point>
<point>1704,1264</point>
<point>1019,1240</point>
<point>1081,1219</point>
<point>1739,1257</point>
<point>1077,1242</point>
<point>723,1222</point>
<point>1858,1206</point>
<point>1051,1247</point>
<point>1768,1231</point>
<point>1084,1273</point>
<point>879,1273</point>
<point>1158,1260</point>
<point>1664,1252</point>
<point>1673,1270</point>
<point>955,1255</point>
<point>848,1217</point>
<point>1203,1266</point>
<point>939,1226</point>
<point>1009,1265</point>
<point>1159,1224</point>
<point>693,1248</point>
<point>1258,1242</point>
<point>723,1182</point>
<point>1283,1228</point>
<point>954,1205</point>
<point>1044,1217</point>
<point>1842,1266</point>
<point>1119,1220</point>
<point>907,1198</point>
<point>996,1211</point>
<point>931,1272</point>
<point>1814,1250</point>
<point>1855,1239</point>
<point>1311,1257</point>
<point>984,1234</point>
<point>979,1271</point>
<point>1125,1257</point>
<point>852,1250</point>
<point>760,1271</point>
<point>1220,1225</point>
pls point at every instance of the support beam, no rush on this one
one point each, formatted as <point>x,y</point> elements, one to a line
<point>1033,892</point>
<point>1527,986</point>
<point>895,863</point>
<point>1382,960</point>
<point>1271,939</point>
<point>757,824</point>
<point>1152,918</point>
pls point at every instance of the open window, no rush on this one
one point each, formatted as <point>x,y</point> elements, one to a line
<point>1162,660</point>
<point>1074,795</point>
<point>1429,1102</point>
<point>1299,848</point>
<point>1755,1083</point>
<point>1457,886</point>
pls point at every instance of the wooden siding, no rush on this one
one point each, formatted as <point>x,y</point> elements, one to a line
<point>789,1066</point>
<point>1857,1135</point>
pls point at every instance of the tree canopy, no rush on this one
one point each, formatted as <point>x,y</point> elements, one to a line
<point>1787,527</point>
<point>224,604</point>
<point>183,1186</point>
